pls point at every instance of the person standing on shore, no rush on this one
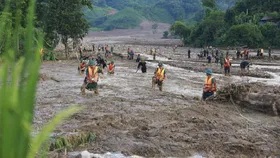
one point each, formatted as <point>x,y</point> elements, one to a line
<point>222,61</point>
<point>269,53</point>
<point>189,53</point>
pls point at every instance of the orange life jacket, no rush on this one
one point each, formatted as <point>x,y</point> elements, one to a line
<point>83,65</point>
<point>227,63</point>
<point>208,86</point>
<point>160,74</point>
<point>111,67</point>
<point>92,73</point>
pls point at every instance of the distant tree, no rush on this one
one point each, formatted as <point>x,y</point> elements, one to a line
<point>209,30</point>
<point>165,34</point>
<point>245,34</point>
<point>180,29</point>
<point>271,33</point>
<point>230,16</point>
<point>65,20</point>
<point>209,4</point>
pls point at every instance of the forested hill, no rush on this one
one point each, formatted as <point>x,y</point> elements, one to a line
<point>254,23</point>
<point>114,14</point>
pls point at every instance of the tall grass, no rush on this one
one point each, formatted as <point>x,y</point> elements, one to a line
<point>18,81</point>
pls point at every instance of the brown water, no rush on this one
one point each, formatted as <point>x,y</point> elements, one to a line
<point>129,116</point>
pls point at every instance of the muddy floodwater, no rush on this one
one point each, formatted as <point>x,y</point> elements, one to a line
<point>130,117</point>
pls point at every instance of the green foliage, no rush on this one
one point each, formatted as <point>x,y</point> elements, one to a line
<point>96,16</point>
<point>38,140</point>
<point>245,34</point>
<point>62,19</point>
<point>71,141</point>
<point>167,11</point>
<point>18,78</point>
<point>239,25</point>
<point>50,55</point>
<point>209,4</point>
<point>225,4</point>
<point>209,30</point>
<point>158,14</point>
<point>256,6</point>
<point>271,33</point>
<point>165,34</point>
<point>180,29</point>
<point>127,18</point>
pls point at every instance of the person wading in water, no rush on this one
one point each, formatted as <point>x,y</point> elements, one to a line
<point>209,85</point>
<point>91,79</point>
<point>159,76</point>
<point>142,64</point>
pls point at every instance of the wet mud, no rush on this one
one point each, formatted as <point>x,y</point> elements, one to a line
<point>131,117</point>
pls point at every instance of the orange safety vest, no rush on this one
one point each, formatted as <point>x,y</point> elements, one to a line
<point>83,65</point>
<point>160,74</point>
<point>208,85</point>
<point>227,63</point>
<point>92,73</point>
<point>110,67</point>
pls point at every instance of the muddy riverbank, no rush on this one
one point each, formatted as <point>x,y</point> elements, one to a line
<point>130,117</point>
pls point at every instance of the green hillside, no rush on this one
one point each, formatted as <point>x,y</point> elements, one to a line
<point>253,23</point>
<point>112,14</point>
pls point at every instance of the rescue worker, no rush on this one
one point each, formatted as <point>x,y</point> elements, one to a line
<point>107,51</point>
<point>138,58</point>
<point>154,53</point>
<point>91,79</point>
<point>80,49</point>
<point>93,47</point>
<point>189,53</point>
<point>160,75</point>
<point>238,53</point>
<point>261,52</point>
<point>82,67</point>
<point>209,85</point>
<point>111,68</point>
<point>222,61</point>
<point>269,53</point>
<point>227,65</point>
<point>243,65</point>
<point>101,62</point>
<point>142,64</point>
<point>209,58</point>
<point>246,54</point>
<point>129,53</point>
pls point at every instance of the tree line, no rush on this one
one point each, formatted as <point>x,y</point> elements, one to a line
<point>56,20</point>
<point>249,22</point>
